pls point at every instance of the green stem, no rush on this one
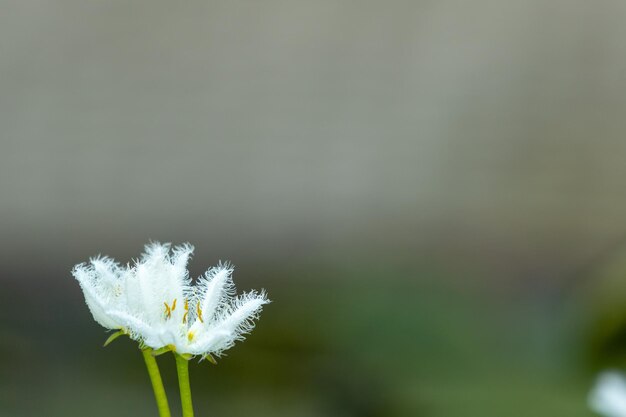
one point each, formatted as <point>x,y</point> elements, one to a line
<point>182,367</point>
<point>157,383</point>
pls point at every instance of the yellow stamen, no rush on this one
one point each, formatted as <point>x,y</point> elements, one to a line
<point>199,310</point>
<point>190,336</point>
<point>168,309</point>
<point>186,311</point>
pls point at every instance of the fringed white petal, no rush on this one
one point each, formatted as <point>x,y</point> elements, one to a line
<point>180,257</point>
<point>106,271</point>
<point>212,291</point>
<point>234,322</point>
<point>161,278</point>
<point>97,300</point>
<point>138,329</point>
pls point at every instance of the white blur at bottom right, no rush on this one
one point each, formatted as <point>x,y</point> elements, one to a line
<point>608,396</point>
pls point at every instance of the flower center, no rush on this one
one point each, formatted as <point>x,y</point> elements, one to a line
<point>170,308</point>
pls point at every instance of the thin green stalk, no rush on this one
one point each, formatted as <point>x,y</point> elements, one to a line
<point>157,383</point>
<point>182,367</point>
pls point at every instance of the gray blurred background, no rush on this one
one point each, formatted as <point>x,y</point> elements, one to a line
<point>432,192</point>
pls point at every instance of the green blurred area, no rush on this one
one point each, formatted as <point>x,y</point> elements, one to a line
<point>384,339</point>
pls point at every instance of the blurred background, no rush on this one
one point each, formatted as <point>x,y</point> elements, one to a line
<point>432,192</point>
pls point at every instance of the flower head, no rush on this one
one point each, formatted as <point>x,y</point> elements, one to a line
<point>154,301</point>
<point>608,397</point>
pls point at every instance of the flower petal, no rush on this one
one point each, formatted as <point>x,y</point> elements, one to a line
<point>97,302</point>
<point>213,289</point>
<point>235,322</point>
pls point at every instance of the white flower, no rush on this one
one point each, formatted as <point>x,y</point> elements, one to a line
<point>608,397</point>
<point>156,304</point>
